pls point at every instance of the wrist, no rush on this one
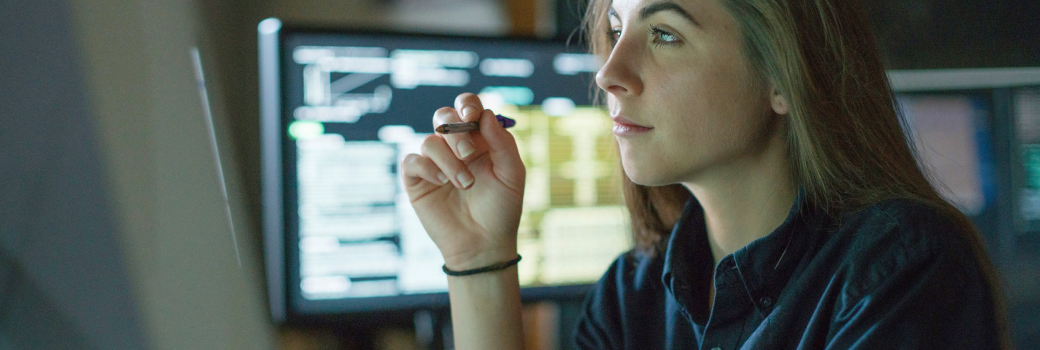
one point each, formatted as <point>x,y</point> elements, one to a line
<point>486,269</point>
<point>479,259</point>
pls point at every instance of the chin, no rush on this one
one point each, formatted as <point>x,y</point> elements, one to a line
<point>645,174</point>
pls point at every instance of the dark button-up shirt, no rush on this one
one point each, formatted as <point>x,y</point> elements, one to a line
<point>898,274</point>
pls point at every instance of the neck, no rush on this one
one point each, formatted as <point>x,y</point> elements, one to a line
<point>745,200</point>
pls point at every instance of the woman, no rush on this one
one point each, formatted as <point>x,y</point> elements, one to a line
<point>775,200</point>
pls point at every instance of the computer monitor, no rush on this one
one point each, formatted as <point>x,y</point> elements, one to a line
<point>1026,110</point>
<point>340,109</point>
<point>951,134</point>
<point>977,132</point>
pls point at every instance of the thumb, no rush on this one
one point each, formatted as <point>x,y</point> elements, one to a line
<point>501,145</point>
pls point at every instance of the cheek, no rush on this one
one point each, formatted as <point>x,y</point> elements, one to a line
<point>711,123</point>
<point>723,107</point>
<point>702,116</point>
<point>708,114</point>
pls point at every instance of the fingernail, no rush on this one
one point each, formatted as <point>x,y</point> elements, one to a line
<point>465,148</point>
<point>443,178</point>
<point>465,179</point>
<point>467,110</point>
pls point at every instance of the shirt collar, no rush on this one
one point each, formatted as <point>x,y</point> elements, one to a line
<point>688,261</point>
<point>764,265</point>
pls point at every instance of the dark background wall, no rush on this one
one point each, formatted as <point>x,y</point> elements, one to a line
<point>63,281</point>
<point>924,34</point>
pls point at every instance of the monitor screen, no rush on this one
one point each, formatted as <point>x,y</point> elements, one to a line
<point>951,134</point>
<point>1026,111</point>
<point>341,109</point>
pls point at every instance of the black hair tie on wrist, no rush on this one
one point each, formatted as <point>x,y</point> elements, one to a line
<point>489,268</point>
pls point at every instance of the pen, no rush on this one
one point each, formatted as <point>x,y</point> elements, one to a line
<point>455,128</point>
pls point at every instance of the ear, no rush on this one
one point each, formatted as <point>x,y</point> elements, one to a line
<point>779,103</point>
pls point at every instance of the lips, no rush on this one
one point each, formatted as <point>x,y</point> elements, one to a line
<point>626,127</point>
<point>625,121</point>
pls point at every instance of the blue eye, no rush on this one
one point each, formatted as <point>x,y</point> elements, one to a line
<point>667,37</point>
<point>662,37</point>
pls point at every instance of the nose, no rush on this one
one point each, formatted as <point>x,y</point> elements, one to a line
<point>619,76</point>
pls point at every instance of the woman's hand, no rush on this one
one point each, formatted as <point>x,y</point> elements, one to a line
<point>468,188</point>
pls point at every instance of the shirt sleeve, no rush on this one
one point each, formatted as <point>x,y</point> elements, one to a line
<point>917,299</point>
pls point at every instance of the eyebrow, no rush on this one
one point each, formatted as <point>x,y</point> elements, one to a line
<point>656,7</point>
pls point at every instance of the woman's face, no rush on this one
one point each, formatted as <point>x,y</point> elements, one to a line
<point>686,103</point>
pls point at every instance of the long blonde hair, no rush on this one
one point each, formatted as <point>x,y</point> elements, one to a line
<point>845,137</point>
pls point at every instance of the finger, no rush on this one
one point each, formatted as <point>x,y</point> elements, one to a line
<point>501,145</point>
<point>462,144</point>
<point>435,148</point>
<point>470,106</point>
<point>417,168</point>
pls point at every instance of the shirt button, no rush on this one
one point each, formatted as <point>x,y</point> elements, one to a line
<point>765,302</point>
